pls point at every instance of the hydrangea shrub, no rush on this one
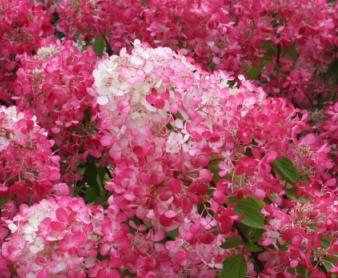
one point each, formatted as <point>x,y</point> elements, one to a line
<point>168,139</point>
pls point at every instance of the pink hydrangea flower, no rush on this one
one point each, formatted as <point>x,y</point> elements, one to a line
<point>54,237</point>
<point>29,170</point>
<point>54,85</point>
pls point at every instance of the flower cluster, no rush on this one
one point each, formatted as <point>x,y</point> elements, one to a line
<point>29,171</point>
<point>54,85</point>
<point>168,138</point>
<point>23,26</point>
<point>176,134</point>
<point>28,168</point>
<point>53,238</point>
<point>285,45</point>
<point>309,231</point>
<point>329,131</point>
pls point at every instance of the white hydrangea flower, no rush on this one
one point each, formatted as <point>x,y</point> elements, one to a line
<point>176,141</point>
<point>46,52</point>
<point>106,79</point>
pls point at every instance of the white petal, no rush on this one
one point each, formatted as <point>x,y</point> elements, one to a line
<point>102,100</point>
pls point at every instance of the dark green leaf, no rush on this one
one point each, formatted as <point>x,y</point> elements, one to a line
<point>90,174</point>
<point>169,127</point>
<point>300,270</point>
<point>293,52</point>
<point>94,176</point>
<point>234,267</point>
<point>253,247</point>
<point>99,45</point>
<point>269,48</point>
<point>233,200</point>
<point>92,194</point>
<point>59,35</point>
<point>253,72</point>
<point>173,234</point>
<point>212,66</point>
<point>250,209</point>
<point>329,262</point>
<point>256,233</point>
<point>232,242</point>
<point>291,193</point>
<point>3,201</point>
<point>332,70</point>
<point>252,234</point>
<point>285,168</point>
<point>325,242</point>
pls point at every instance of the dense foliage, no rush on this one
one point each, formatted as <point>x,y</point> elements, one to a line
<point>168,138</point>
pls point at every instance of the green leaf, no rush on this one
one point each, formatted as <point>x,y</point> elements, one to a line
<point>285,168</point>
<point>59,35</point>
<point>250,209</point>
<point>99,45</point>
<point>325,241</point>
<point>252,234</point>
<point>92,194</point>
<point>212,66</point>
<point>291,193</point>
<point>214,168</point>
<point>301,271</point>
<point>269,48</point>
<point>233,200</point>
<point>253,72</point>
<point>169,127</point>
<point>94,176</point>
<point>3,200</point>
<point>234,267</point>
<point>332,70</point>
<point>253,247</point>
<point>293,52</point>
<point>329,262</point>
<point>232,242</point>
<point>173,234</point>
